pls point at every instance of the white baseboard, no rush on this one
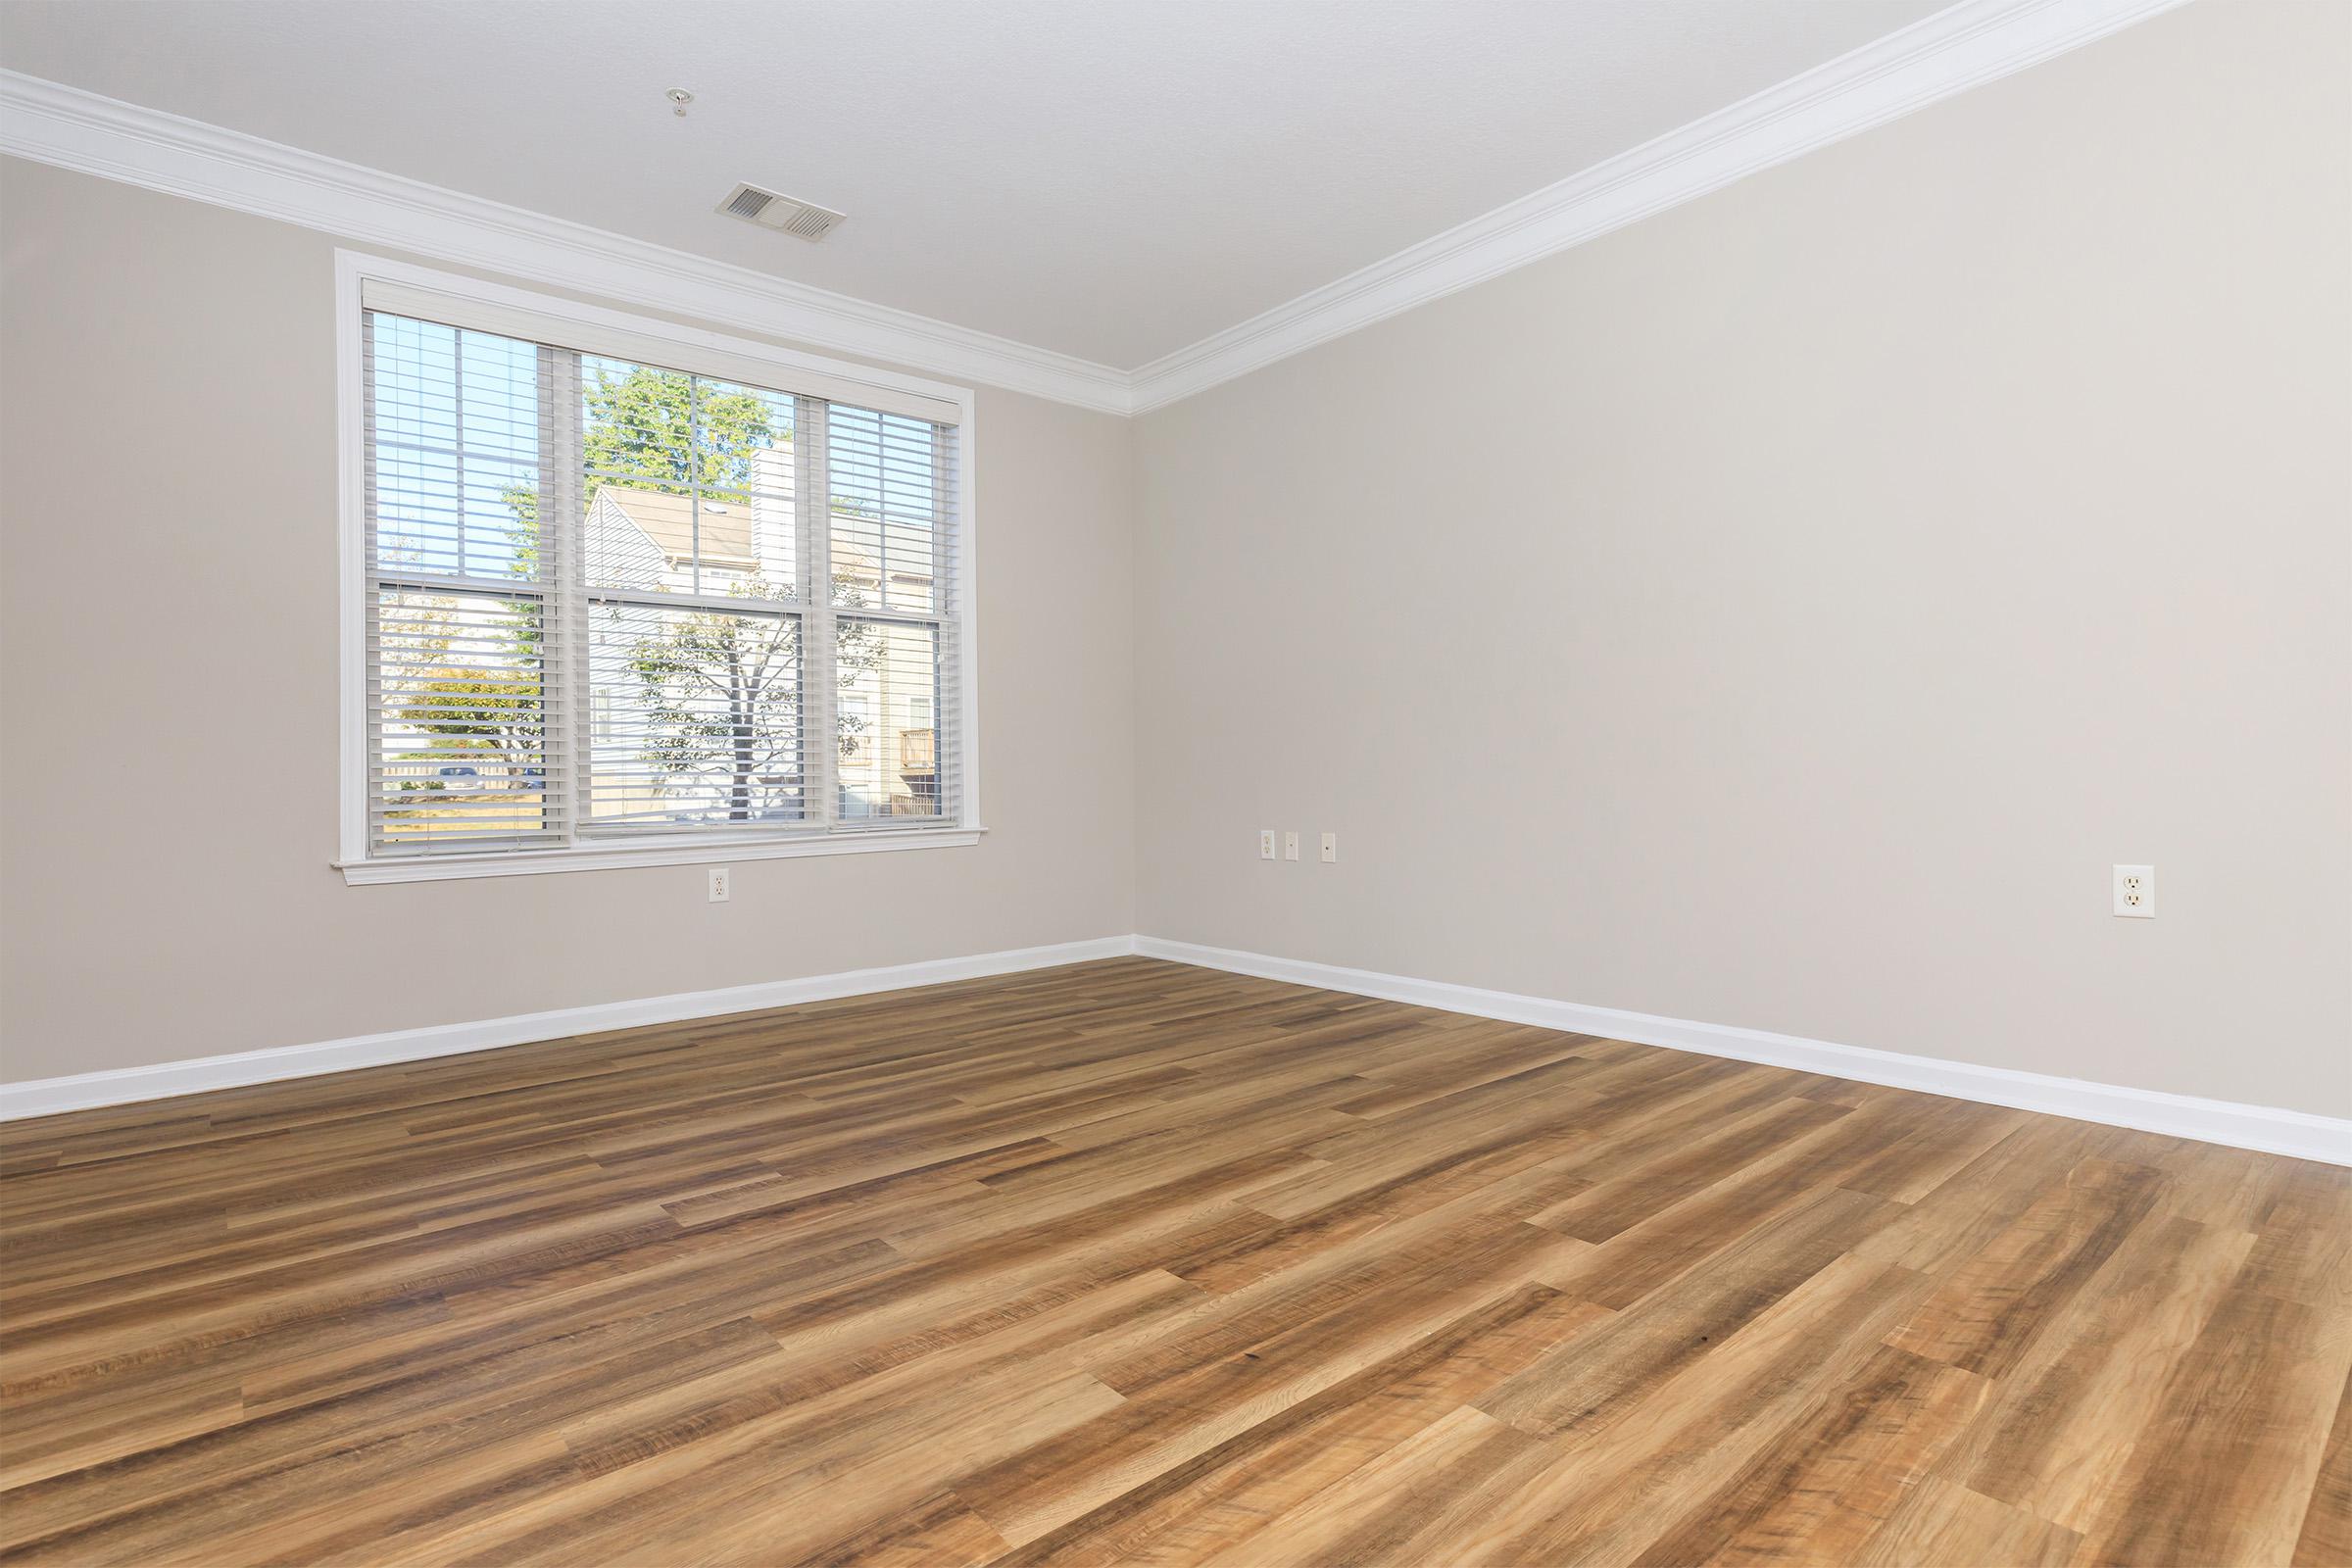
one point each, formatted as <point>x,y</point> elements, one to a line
<point>2299,1134</point>
<point>2214,1121</point>
<point>45,1096</point>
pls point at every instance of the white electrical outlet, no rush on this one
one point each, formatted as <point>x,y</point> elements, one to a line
<point>1331,847</point>
<point>2135,892</point>
<point>1265,844</point>
<point>1290,846</point>
<point>722,887</point>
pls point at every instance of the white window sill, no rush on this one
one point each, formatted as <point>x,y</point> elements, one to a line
<point>617,857</point>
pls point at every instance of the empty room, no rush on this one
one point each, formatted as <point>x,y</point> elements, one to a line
<point>1413,783</point>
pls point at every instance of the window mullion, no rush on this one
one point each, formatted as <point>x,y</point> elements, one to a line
<point>694,474</point>
<point>562,461</point>
<point>820,751</point>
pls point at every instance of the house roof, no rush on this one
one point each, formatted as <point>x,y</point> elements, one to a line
<point>668,520</point>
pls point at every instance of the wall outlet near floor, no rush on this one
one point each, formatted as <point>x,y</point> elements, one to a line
<point>2135,892</point>
<point>1331,847</point>
<point>1290,846</point>
<point>1265,844</point>
<point>723,885</point>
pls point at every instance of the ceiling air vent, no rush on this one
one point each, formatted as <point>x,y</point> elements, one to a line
<point>768,210</point>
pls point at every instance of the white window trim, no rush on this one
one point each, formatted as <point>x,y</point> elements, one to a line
<point>680,348</point>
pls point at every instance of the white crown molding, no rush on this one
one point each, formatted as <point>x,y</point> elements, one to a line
<point>1973,43</point>
<point>51,124</point>
<point>2272,1130</point>
<point>47,1096</point>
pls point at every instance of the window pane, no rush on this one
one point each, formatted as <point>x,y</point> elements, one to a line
<point>637,457</point>
<point>456,446</point>
<point>694,719</point>
<point>640,535</point>
<point>888,673</point>
<point>750,543</point>
<point>457,711</point>
<point>688,483</point>
<point>887,518</point>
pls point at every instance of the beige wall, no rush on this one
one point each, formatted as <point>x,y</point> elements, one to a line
<point>168,626</point>
<point>1784,612</point>
<point>1778,614</point>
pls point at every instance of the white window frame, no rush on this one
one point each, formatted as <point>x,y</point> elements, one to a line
<point>547,317</point>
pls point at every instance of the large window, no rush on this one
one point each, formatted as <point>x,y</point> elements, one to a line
<point>622,601</point>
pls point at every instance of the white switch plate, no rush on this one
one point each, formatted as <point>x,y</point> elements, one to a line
<point>723,885</point>
<point>1290,846</point>
<point>1265,844</point>
<point>2135,892</point>
<point>1331,847</point>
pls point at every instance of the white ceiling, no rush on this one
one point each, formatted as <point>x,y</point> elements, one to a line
<point>1111,181</point>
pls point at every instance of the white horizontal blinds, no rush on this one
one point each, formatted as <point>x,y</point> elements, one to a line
<point>461,752</point>
<point>890,752</point>
<point>891,544</point>
<point>593,333</point>
<point>694,720</point>
<point>601,608</point>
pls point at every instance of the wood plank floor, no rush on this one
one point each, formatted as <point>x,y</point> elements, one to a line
<point>1133,1262</point>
